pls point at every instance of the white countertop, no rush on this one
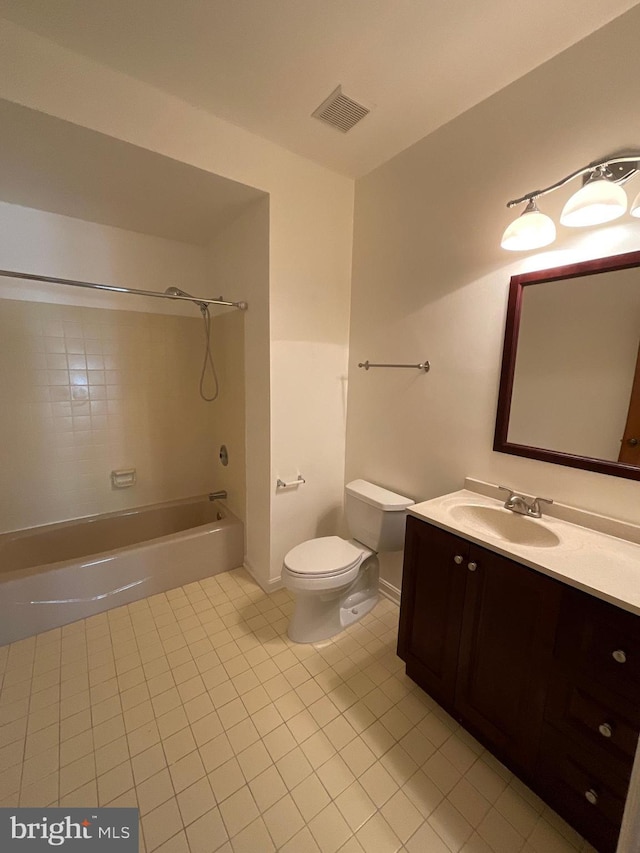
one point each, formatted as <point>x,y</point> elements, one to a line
<point>605,566</point>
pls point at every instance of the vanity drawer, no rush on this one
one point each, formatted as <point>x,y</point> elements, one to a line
<point>602,720</point>
<point>586,790</point>
<point>600,642</point>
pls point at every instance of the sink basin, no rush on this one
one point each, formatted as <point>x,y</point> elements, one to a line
<point>506,525</point>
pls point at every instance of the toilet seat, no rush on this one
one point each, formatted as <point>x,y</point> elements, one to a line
<point>325,557</point>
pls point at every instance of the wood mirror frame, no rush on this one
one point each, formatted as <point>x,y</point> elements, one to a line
<point>514,310</point>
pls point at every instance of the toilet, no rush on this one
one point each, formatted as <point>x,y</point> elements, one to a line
<point>335,580</point>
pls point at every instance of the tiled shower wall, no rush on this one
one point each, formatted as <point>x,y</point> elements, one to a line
<point>87,390</point>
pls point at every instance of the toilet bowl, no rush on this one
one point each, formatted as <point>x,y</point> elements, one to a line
<point>335,580</point>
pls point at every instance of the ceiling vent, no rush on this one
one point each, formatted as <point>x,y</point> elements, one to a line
<point>340,111</point>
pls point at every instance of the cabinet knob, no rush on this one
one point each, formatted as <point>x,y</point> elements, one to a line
<point>472,566</point>
<point>591,796</point>
<point>619,656</point>
<point>458,559</point>
<point>605,729</point>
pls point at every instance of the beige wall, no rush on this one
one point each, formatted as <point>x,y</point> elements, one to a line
<point>238,260</point>
<point>430,280</point>
<point>310,242</point>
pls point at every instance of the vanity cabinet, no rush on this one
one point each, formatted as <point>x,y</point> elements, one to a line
<point>478,637</point>
<point>592,716</point>
<point>545,676</point>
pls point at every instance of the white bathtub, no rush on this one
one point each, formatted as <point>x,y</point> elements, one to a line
<point>58,573</point>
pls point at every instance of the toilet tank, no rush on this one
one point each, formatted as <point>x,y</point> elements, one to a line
<point>375,516</point>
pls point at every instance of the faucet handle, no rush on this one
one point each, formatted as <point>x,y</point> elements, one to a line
<point>508,504</point>
<point>534,507</point>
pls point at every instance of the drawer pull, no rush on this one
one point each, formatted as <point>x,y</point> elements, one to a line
<point>591,796</point>
<point>605,729</point>
<point>472,566</point>
<point>619,656</point>
<point>458,559</point>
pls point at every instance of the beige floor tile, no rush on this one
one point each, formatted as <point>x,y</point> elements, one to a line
<point>376,834</point>
<point>294,767</point>
<point>254,760</point>
<point>520,814</point>
<point>238,811</point>
<point>355,806</point>
<point>226,779</point>
<point>161,824</point>
<point>283,820</point>
<point>114,782</point>
<point>450,825</point>
<point>402,816</point>
<point>426,840</point>
<point>441,771</point>
<point>501,836</point>
<point>76,747</point>
<point>378,784</point>
<point>109,756</point>
<point>42,792</point>
<point>186,771</point>
<point>178,745</point>
<point>267,788</point>
<point>216,752</point>
<point>154,791</point>
<point>310,796</point>
<point>255,838</point>
<point>77,773</point>
<point>83,797</point>
<point>329,829</point>
<point>546,839</point>
<point>203,680</point>
<point>195,801</point>
<point>335,776</point>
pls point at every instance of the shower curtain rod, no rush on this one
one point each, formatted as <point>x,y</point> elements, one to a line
<point>113,289</point>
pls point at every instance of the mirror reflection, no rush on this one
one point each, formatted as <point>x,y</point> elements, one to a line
<point>570,381</point>
<point>576,362</point>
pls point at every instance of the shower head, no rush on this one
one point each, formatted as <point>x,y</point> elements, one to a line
<point>175,291</point>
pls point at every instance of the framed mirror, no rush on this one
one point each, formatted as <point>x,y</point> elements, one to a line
<point>570,381</point>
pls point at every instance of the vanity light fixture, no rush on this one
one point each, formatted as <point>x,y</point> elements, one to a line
<point>600,199</point>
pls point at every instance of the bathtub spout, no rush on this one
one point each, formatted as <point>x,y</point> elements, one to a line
<point>218,496</point>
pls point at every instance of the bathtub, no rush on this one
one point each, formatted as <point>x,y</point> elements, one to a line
<point>58,573</point>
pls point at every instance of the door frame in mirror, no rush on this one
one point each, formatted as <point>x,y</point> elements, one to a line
<point>512,327</point>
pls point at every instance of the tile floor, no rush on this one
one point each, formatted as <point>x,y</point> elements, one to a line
<point>195,707</point>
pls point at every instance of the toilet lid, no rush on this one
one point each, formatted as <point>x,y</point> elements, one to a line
<point>328,555</point>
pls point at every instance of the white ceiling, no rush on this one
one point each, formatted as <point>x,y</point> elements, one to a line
<point>266,64</point>
<point>53,165</point>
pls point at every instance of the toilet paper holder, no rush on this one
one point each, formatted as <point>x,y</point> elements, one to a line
<point>288,484</point>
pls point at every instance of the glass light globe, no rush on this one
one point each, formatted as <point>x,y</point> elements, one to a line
<point>598,201</point>
<point>634,210</point>
<point>531,230</point>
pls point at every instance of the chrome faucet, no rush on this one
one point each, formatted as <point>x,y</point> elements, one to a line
<point>522,505</point>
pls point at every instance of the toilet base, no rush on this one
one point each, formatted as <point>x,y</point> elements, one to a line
<point>353,610</point>
<point>319,616</point>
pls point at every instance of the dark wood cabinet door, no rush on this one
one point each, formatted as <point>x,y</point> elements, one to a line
<point>433,585</point>
<point>506,649</point>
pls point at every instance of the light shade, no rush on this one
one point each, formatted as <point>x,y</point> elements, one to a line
<point>598,201</point>
<point>531,230</point>
<point>634,210</point>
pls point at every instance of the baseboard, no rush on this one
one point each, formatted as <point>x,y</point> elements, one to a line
<point>389,591</point>
<point>269,586</point>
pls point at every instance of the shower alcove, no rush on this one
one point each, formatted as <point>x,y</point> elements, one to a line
<point>94,382</point>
